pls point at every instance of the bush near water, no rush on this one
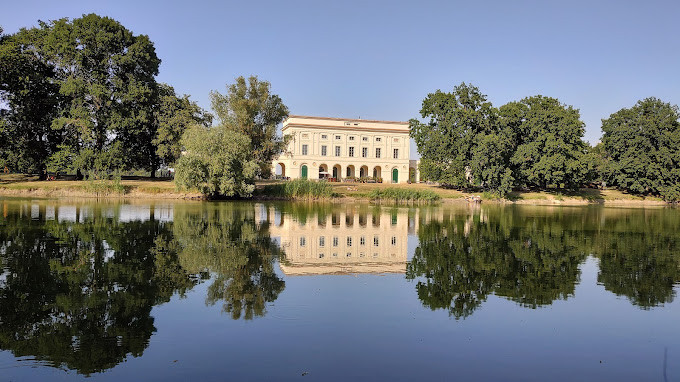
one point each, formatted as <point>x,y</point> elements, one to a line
<point>299,189</point>
<point>404,195</point>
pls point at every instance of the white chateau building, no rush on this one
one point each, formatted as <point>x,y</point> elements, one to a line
<point>338,148</point>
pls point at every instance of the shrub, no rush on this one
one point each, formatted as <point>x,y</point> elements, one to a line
<point>217,162</point>
<point>404,195</point>
<point>299,189</point>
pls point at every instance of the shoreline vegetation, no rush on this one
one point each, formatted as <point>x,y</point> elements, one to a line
<point>16,185</point>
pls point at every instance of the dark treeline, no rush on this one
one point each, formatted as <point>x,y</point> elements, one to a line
<point>81,95</point>
<point>537,143</point>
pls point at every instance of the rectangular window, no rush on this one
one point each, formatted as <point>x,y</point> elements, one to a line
<point>322,241</point>
<point>351,138</point>
<point>351,151</point>
<point>376,241</point>
<point>364,152</point>
<point>304,149</point>
<point>337,151</point>
<point>396,153</point>
<point>337,137</point>
<point>324,136</point>
<point>378,139</point>
<point>335,241</point>
<point>323,151</point>
<point>365,139</point>
<point>321,255</point>
<point>377,152</point>
<point>362,240</point>
<point>394,240</point>
<point>303,241</point>
<point>349,241</point>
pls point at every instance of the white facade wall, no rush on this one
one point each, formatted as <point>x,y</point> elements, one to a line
<point>355,141</point>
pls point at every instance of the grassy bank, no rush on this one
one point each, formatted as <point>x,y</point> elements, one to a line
<point>148,188</point>
<point>30,186</point>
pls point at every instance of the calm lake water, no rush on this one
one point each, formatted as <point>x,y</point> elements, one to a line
<point>279,291</point>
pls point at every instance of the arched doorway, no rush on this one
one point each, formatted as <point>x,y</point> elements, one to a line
<point>350,171</point>
<point>395,175</point>
<point>280,170</point>
<point>303,171</point>
<point>337,172</point>
<point>323,171</point>
<point>363,172</point>
<point>377,173</point>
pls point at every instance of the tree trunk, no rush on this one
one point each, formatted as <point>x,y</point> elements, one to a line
<point>79,175</point>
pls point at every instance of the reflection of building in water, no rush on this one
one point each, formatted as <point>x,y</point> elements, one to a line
<point>343,242</point>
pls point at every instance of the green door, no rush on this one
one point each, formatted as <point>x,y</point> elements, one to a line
<point>304,172</point>
<point>395,175</point>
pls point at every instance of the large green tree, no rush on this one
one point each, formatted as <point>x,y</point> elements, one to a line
<point>250,108</point>
<point>107,75</point>
<point>642,149</point>
<point>549,143</point>
<point>446,140</point>
<point>173,115</point>
<point>218,162</point>
<point>32,100</point>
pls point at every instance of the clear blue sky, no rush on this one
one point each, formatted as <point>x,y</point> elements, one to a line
<point>378,60</point>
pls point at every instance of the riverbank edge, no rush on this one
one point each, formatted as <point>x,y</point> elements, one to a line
<point>169,194</point>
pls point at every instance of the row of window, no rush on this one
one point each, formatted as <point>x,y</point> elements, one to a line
<point>350,152</point>
<point>349,220</point>
<point>349,254</point>
<point>351,138</point>
<point>336,241</point>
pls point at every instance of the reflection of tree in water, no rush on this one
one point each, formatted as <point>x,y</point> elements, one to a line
<point>224,239</point>
<point>79,295</point>
<point>640,256</point>
<point>460,262</point>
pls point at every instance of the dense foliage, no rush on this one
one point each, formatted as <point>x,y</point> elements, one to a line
<point>642,149</point>
<point>446,141</point>
<point>466,142</point>
<point>81,95</point>
<point>251,109</point>
<point>217,162</point>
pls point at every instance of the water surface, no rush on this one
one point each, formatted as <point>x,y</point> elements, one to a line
<point>283,291</point>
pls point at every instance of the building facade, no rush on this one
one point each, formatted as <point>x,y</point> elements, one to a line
<point>342,149</point>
